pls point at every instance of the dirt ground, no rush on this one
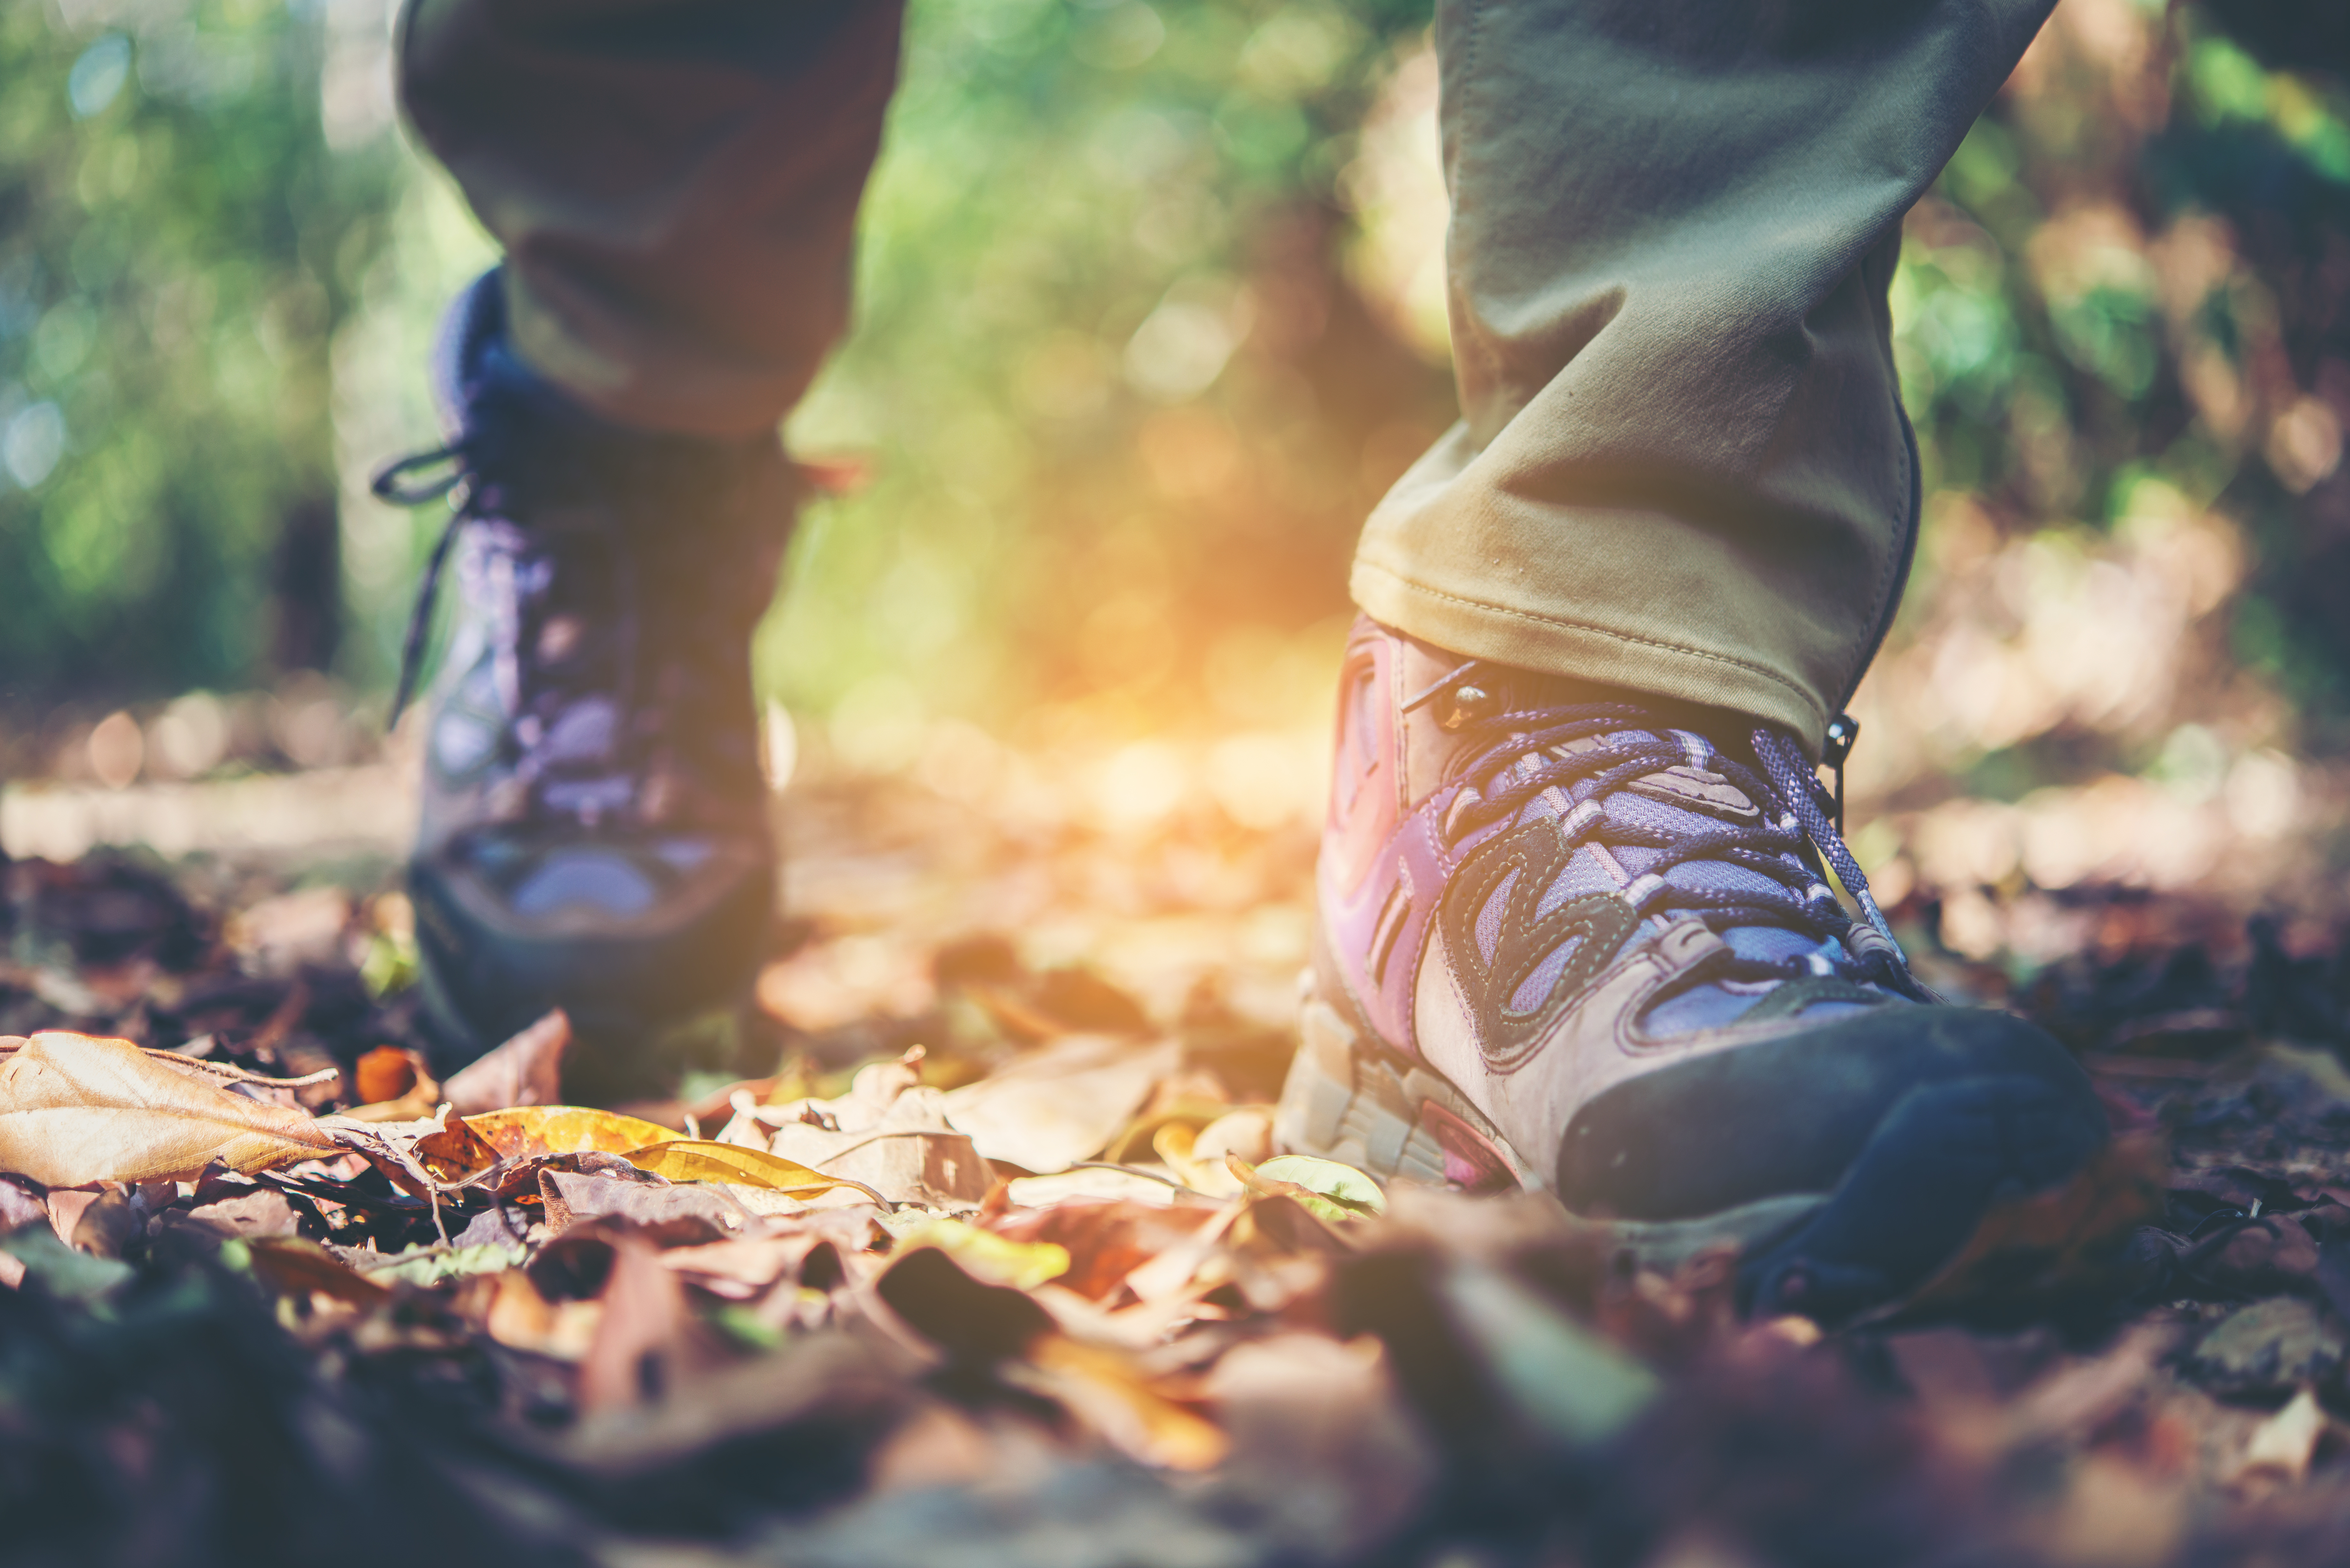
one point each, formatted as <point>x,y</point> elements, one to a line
<point>1046,1303</point>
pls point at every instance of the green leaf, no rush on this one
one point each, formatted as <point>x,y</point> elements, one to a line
<point>65,1274</point>
<point>430,1265</point>
<point>1323,1188</point>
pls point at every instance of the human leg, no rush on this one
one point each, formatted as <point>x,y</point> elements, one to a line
<point>1576,930</point>
<point>675,184</point>
<point>1682,466</point>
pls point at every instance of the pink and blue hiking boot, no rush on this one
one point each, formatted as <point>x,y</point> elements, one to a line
<point>1588,946</point>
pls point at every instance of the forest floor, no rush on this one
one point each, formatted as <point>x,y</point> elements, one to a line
<point>969,1254</point>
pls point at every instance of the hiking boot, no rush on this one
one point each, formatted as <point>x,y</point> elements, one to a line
<point>595,830</point>
<point>1573,941</point>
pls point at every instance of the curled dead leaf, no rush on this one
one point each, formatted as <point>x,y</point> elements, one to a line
<point>76,1109</point>
<point>527,1070</point>
<point>700,1159</point>
<point>526,1131</point>
<point>456,1153</point>
<point>393,1086</point>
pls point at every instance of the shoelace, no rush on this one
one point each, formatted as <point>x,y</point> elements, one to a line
<point>391,486</point>
<point>1523,757</point>
<point>515,662</point>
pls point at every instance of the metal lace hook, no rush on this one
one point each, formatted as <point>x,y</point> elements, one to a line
<point>1469,703</point>
<point>1844,729</point>
<point>388,483</point>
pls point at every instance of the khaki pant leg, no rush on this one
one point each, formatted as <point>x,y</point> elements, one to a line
<point>1682,466</point>
<point>675,184</point>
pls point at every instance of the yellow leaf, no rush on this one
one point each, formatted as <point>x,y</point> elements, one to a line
<point>986,1256</point>
<point>530,1130</point>
<point>1109,1392</point>
<point>701,1159</point>
<point>76,1109</point>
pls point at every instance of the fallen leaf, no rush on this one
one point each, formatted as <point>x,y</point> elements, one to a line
<point>526,1131</point>
<point>19,1207</point>
<point>1246,1131</point>
<point>1052,1107</point>
<point>740,1269</point>
<point>700,1159</point>
<point>1576,1386</point>
<point>2285,1442</point>
<point>1342,1184</point>
<point>385,1073</point>
<point>647,1339</point>
<point>455,1152</point>
<point>988,1257</point>
<point>254,1215</point>
<point>292,1267</point>
<point>1107,1241</point>
<point>1089,1184</point>
<point>527,1070</point>
<point>971,1319</point>
<point>519,1316</point>
<point>98,1222</point>
<point>1323,1187</point>
<point>2282,1343</point>
<point>1105,1389</point>
<point>695,1212</point>
<point>62,1272</point>
<point>430,1265</point>
<point>2067,1239</point>
<point>2115,1515</point>
<point>75,1109</point>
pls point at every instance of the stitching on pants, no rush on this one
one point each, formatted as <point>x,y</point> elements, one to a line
<point>1563,622</point>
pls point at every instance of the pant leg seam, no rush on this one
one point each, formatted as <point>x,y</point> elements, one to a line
<point>1564,623</point>
<point>1885,602</point>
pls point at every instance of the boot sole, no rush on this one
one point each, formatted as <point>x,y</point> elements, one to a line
<point>1937,1161</point>
<point>1350,1100</point>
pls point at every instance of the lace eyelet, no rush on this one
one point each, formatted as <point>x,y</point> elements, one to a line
<point>1466,703</point>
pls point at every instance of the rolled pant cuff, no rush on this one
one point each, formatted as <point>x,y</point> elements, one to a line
<point>1557,645</point>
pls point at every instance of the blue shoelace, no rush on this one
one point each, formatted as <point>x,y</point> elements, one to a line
<point>1523,755</point>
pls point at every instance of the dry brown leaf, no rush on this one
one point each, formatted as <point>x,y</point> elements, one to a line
<point>455,1152</point>
<point>2049,1241</point>
<point>527,1070</point>
<point>741,1269</point>
<point>386,1074</point>
<point>1053,1108</point>
<point>99,1221</point>
<point>1108,1391</point>
<point>76,1109</point>
<point>647,1338</point>
<point>293,1267</point>
<point>2282,1446</point>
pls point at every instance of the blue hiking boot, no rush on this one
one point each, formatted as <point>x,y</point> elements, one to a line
<point>1587,945</point>
<point>595,831</point>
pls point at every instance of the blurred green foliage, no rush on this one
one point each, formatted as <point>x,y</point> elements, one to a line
<point>2136,270</point>
<point>176,246</point>
<point>1121,410</point>
<point>1121,407</point>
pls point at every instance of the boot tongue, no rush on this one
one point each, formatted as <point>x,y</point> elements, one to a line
<point>1692,796</point>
